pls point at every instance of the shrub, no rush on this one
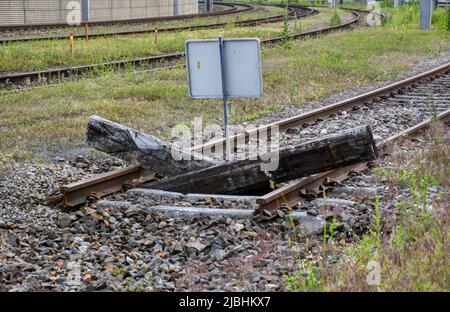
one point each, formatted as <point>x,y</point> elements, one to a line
<point>335,19</point>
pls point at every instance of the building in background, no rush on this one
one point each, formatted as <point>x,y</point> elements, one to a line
<point>31,12</point>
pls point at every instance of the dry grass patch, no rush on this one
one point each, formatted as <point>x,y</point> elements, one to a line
<point>37,121</point>
<point>406,253</point>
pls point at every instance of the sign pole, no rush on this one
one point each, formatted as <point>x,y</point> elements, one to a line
<point>234,72</point>
<point>426,10</point>
<point>225,99</point>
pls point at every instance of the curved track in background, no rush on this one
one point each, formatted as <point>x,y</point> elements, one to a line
<point>28,77</point>
<point>233,9</point>
<point>250,22</point>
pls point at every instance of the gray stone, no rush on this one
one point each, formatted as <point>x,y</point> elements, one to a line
<point>197,245</point>
<point>369,192</point>
<point>217,253</point>
<point>13,240</point>
<point>64,220</point>
<point>320,202</point>
<point>134,244</point>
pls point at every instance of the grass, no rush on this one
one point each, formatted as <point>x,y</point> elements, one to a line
<point>285,29</point>
<point>29,56</point>
<point>447,14</point>
<point>268,11</point>
<point>39,55</point>
<point>37,122</point>
<point>405,14</point>
<point>411,255</point>
<point>310,23</point>
<point>335,19</point>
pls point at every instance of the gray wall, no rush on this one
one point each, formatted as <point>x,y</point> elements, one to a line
<point>20,12</point>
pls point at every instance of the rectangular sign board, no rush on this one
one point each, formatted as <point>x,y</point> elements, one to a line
<point>242,65</point>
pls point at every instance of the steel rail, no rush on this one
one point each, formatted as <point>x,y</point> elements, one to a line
<point>323,112</point>
<point>106,183</point>
<point>249,22</point>
<point>233,9</point>
<point>290,193</point>
<point>63,71</point>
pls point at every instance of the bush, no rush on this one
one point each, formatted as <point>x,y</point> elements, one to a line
<point>448,19</point>
<point>335,19</point>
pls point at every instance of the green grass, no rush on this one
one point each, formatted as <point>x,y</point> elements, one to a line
<point>335,19</point>
<point>407,14</point>
<point>39,55</point>
<point>36,122</point>
<point>412,254</point>
<point>44,119</point>
<point>285,29</point>
<point>79,30</point>
<point>28,56</point>
<point>447,14</point>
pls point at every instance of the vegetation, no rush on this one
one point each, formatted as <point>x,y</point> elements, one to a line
<point>38,121</point>
<point>38,55</point>
<point>32,123</point>
<point>79,30</point>
<point>26,56</point>
<point>409,16</point>
<point>335,19</point>
<point>447,13</point>
<point>285,30</point>
<point>413,255</point>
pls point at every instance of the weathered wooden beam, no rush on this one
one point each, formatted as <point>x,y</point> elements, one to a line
<point>142,149</point>
<point>246,177</point>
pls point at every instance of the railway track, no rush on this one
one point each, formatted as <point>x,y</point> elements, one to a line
<point>412,97</point>
<point>243,23</point>
<point>443,3</point>
<point>233,8</point>
<point>27,78</point>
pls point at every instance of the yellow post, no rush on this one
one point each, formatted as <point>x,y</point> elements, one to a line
<point>72,42</point>
<point>86,30</point>
<point>156,37</point>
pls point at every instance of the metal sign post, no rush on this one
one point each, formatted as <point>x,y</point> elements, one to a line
<point>85,11</point>
<point>426,10</point>
<point>86,16</point>
<point>224,68</point>
<point>175,7</point>
<point>209,5</point>
<point>225,99</point>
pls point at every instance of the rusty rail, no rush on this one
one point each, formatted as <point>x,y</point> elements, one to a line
<point>326,111</point>
<point>160,59</point>
<point>289,194</point>
<point>77,193</point>
<point>233,9</point>
<point>249,22</point>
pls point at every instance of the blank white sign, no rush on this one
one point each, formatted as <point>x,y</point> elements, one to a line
<point>242,61</point>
